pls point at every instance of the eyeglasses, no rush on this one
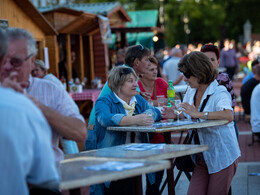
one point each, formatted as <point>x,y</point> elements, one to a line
<point>187,75</point>
<point>17,62</point>
<point>125,71</point>
<point>209,46</point>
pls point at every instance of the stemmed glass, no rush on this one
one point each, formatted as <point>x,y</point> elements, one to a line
<point>149,108</point>
<point>177,109</point>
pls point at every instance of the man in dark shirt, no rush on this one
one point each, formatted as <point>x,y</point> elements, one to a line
<point>247,88</point>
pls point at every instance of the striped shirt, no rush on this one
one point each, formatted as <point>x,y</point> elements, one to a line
<point>25,145</point>
<point>59,100</point>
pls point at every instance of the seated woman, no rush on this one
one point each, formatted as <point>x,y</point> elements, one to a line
<point>216,167</point>
<point>122,107</point>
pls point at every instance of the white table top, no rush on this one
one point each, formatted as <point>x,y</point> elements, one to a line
<point>142,151</point>
<point>169,128</point>
<point>75,172</point>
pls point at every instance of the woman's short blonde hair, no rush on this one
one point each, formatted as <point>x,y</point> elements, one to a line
<point>197,64</point>
<point>118,75</point>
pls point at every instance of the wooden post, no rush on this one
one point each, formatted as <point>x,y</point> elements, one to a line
<point>91,51</point>
<point>52,44</point>
<point>68,60</point>
<point>81,58</point>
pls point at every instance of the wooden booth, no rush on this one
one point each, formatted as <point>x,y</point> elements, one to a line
<point>23,14</point>
<point>117,18</point>
<point>76,30</point>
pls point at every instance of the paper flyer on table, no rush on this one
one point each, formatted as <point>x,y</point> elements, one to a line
<point>114,166</point>
<point>144,147</point>
<point>166,124</point>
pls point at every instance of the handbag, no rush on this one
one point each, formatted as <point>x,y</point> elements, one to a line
<point>185,163</point>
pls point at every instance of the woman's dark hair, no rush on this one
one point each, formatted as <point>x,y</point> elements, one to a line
<point>197,64</point>
<point>210,48</point>
<point>133,52</point>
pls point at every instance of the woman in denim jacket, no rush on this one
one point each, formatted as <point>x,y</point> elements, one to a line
<point>122,107</point>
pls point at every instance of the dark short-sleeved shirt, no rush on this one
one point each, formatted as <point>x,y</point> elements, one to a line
<point>246,92</point>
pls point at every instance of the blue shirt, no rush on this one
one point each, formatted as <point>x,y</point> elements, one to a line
<point>25,146</point>
<point>248,77</point>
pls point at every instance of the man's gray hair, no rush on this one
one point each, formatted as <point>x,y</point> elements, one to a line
<point>176,52</point>
<point>3,43</point>
<point>19,33</point>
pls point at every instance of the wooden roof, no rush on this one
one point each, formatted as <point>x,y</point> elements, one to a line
<point>36,16</point>
<point>84,24</point>
<point>62,10</point>
<point>106,9</point>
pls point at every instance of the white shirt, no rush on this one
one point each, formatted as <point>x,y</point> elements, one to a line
<point>55,80</point>
<point>59,100</point>
<point>222,141</point>
<point>128,134</point>
<point>25,146</point>
<point>255,109</point>
<point>170,69</point>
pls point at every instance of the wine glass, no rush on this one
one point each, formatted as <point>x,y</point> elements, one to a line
<point>149,108</point>
<point>177,109</point>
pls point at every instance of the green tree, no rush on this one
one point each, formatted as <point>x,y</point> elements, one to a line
<point>209,20</point>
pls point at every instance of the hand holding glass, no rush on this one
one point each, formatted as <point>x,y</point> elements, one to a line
<point>149,109</point>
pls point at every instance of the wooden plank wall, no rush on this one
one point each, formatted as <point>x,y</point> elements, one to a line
<point>16,17</point>
<point>100,55</point>
<point>59,20</point>
<point>53,50</point>
<point>10,11</point>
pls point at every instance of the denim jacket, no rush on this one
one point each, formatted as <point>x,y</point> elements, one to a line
<point>109,112</point>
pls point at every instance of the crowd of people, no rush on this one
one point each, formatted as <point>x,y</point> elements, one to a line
<point>37,112</point>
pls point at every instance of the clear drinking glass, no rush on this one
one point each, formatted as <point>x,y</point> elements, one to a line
<point>149,108</point>
<point>177,109</point>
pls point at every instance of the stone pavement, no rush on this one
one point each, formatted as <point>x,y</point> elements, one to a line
<point>249,162</point>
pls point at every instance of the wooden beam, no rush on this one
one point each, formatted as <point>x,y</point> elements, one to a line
<point>91,54</point>
<point>52,44</point>
<point>68,60</point>
<point>81,58</point>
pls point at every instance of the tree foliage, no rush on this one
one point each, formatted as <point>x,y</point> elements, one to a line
<point>209,20</point>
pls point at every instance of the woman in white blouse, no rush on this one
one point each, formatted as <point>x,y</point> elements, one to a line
<point>216,167</point>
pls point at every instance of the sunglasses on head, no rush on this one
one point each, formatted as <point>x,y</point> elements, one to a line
<point>125,71</point>
<point>209,46</point>
<point>140,48</point>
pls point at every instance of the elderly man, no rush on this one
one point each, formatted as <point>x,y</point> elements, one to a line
<point>170,68</point>
<point>54,102</point>
<point>25,142</point>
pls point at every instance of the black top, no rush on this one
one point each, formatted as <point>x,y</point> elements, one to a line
<point>246,92</point>
<point>63,71</point>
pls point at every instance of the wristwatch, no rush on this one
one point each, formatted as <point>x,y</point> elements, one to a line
<point>206,115</point>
